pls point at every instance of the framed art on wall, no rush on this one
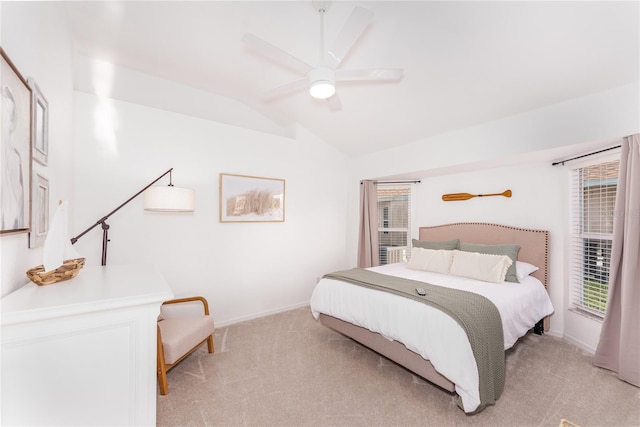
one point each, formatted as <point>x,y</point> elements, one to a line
<point>40,125</point>
<point>40,206</point>
<point>251,199</point>
<point>15,146</point>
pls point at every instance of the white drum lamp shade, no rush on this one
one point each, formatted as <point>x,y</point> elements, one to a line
<point>169,199</point>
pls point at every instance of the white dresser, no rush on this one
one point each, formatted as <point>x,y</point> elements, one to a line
<point>82,352</point>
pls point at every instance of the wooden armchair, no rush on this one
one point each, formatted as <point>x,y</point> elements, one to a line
<point>178,337</point>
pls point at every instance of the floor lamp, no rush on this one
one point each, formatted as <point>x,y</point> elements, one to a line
<point>162,199</point>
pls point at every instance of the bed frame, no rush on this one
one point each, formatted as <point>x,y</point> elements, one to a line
<point>534,249</point>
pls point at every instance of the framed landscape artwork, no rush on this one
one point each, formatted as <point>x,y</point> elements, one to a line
<point>15,146</point>
<point>251,199</point>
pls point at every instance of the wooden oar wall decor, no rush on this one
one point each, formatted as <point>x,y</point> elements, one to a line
<point>466,196</point>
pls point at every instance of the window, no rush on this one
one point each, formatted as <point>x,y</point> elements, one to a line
<point>393,222</point>
<point>593,202</point>
<point>385,217</point>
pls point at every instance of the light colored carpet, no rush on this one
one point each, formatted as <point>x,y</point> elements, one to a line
<point>288,370</point>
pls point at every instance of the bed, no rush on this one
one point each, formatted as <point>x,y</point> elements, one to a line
<point>426,340</point>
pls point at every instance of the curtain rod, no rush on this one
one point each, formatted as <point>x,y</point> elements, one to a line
<point>396,182</point>
<point>561,162</point>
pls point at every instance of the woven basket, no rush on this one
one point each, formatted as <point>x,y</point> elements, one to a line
<point>68,270</point>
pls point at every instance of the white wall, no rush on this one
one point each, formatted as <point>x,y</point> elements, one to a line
<point>36,38</point>
<point>537,202</point>
<point>596,117</point>
<point>244,269</point>
<point>516,153</point>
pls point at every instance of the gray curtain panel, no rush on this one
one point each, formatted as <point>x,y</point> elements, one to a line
<point>368,239</point>
<point>619,345</point>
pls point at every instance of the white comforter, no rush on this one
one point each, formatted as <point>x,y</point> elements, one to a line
<point>428,331</point>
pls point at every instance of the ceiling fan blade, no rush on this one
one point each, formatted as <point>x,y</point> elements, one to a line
<point>388,74</point>
<point>285,89</point>
<point>334,102</point>
<point>353,28</point>
<point>276,54</point>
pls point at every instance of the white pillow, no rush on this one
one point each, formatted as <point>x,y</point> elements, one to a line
<point>415,261</point>
<point>523,269</point>
<point>437,261</point>
<point>485,267</point>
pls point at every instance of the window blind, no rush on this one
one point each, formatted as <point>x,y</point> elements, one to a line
<point>593,190</point>
<point>394,208</point>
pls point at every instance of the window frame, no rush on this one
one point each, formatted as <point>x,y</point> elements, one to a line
<point>578,237</point>
<point>387,224</point>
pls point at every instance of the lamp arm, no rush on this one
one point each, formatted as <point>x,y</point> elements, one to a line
<point>102,220</point>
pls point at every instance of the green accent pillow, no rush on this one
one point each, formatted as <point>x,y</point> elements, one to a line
<point>446,244</point>
<point>509,250</point>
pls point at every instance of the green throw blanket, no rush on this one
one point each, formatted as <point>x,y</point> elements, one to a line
<point>477,316</point>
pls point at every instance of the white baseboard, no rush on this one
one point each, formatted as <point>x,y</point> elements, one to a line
<point>261,314</point>
<point>582,346</point>
<point>553,333</point>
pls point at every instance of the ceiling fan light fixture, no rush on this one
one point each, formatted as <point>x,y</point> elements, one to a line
<point>322,89</point>
<point>322,83</point>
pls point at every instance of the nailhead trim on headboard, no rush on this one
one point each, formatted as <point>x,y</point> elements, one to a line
<point>448,231</point>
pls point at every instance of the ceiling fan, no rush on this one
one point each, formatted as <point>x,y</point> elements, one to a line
<point>321,79</point>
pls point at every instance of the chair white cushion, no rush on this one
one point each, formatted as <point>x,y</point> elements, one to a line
<point>181,334</point>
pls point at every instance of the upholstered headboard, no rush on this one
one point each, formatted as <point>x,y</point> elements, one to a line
<point>534,244</point>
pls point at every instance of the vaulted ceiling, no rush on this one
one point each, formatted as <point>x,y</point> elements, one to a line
<point>464,63</point>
